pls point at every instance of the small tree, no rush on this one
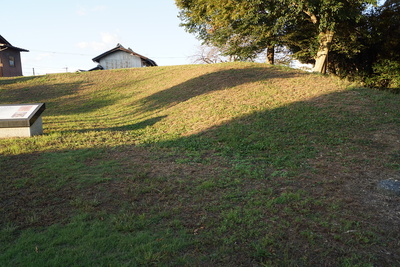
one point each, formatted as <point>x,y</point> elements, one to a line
<point>209,55</point>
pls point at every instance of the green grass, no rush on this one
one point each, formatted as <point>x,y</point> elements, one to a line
<point>217,165</point>
<point>88,241</point>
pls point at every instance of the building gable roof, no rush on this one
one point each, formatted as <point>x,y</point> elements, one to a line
<point>5,44</point>
<point>119,47</point>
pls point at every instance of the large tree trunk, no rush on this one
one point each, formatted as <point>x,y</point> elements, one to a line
<point>321,60</point>
<point>271,54</point>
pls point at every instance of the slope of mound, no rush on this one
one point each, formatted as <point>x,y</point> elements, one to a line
<point>180,100</point>
<point>235,164</point>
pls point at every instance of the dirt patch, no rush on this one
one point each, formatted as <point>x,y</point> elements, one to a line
<point>354,174</point>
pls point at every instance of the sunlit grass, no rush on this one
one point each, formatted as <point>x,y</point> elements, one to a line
<point>217,165</point>
<point>84,106</point>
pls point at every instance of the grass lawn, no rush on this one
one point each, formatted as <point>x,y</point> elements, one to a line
<point>234,164</point>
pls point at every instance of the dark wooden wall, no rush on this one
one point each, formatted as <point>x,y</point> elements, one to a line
<point>5,69</point>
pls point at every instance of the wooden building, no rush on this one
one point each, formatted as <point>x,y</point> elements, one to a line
<point>10,59</point>
<point>120,58</point>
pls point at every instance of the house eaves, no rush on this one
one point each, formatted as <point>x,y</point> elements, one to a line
<point>119,47</point>
<point>4,44</point>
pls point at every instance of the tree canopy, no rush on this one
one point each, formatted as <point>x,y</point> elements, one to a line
<point>241,28</point>
<point>356,39</point>
<point>246,27</point>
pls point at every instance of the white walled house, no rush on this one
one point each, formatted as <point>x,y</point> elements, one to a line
<point>121,58</point>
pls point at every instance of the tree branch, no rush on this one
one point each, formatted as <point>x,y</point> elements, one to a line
<point>312,16</point>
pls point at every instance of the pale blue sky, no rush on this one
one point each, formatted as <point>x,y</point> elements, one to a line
<point>64,34</point>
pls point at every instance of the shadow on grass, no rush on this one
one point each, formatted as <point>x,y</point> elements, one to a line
<point>230,213</point>
<point>128,127</point>
<point>137,126</point>
<point>286,137</point>
<point>4,81</point>
<point>54,95</point>
<point>215,81</point>
<point>64,98</point>
<point>61,98</point>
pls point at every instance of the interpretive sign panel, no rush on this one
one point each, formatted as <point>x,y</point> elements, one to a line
<point>21,119</point>
<point>8,112</point>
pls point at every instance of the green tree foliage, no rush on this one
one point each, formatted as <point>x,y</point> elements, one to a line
<point>386,27</point>
<point>247,27</point>
<point>350,38</point>
<point>371,52</point>
<point>242,28</point>
<point>334,28</point>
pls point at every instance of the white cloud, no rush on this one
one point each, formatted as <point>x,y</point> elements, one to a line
<point>108,40</point>
<point>43,56</point>
<point>92,45</point>
<point>83,11</point>
<point>99,8</point>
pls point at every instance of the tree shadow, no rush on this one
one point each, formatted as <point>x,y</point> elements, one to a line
<point>127,127</point>
<point>288,136</point>
<point>5,80</point>
<point>211,82</point>
<point>395,90</point>
<point>137,126</point>
<point>62,98</point>
<point>41,92</point>
<point>336,131</point>
<point>65,98</point>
